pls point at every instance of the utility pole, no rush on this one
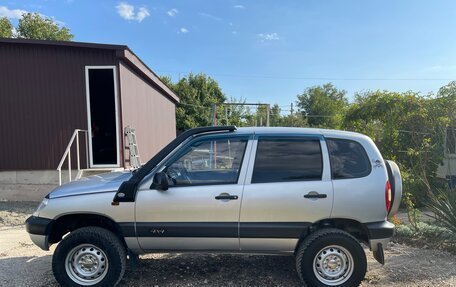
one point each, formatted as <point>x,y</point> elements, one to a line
<point>255,121</point>
<point>291,113</point>
<point>226,116</point>
<point>214,114</point>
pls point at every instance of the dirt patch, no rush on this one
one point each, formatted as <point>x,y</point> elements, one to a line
<point>14,213</point>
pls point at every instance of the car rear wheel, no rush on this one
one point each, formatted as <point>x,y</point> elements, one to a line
<point>89,256</point>
<point>331,257</point>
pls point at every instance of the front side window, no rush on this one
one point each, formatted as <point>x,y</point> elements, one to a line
<point>216,161</point>
<point>348,159</point>
<point>281,160</point>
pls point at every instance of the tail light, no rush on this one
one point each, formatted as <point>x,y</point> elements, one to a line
<point>388,196</point>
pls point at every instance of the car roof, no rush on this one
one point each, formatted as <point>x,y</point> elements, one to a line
<point>296,131</point>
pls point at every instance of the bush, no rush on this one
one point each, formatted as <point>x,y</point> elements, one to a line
<point>443,205</point>
<point>404,231</point>
<point>426,235</point>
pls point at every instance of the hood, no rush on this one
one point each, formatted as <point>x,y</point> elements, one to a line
<point>105,182</point>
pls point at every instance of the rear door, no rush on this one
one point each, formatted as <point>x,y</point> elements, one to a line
<point>200,210</point>
<point>288,187</point>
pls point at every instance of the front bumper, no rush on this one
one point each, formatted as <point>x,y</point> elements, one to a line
<point>39,229</point>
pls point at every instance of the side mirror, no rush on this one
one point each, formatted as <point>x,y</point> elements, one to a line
<point>160,181</point>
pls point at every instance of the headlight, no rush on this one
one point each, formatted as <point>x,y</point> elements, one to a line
<point>41,206</point>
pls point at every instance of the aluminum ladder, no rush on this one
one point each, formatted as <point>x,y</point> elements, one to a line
<point>135,161</point>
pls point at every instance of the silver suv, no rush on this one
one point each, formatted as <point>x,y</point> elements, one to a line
<point>310,193</point>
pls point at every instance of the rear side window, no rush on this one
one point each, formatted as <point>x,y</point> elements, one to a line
<point>348,159</point>
<point>280,160</point>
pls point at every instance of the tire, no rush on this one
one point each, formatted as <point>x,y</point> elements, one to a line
<point>331,257</point>
<point>89,256</point>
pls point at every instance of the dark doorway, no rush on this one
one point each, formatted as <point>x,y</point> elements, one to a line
<point>102,117</point>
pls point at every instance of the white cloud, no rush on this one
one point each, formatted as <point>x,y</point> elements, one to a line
<point>183,30</point>
<point>239,6</point>
<point>210,16</point>
<point>17,14</point>
<point>268,37</point>
<point>142,13</point>
<point>11,13</point>
<point>127,12</point>
<point>173,12</point>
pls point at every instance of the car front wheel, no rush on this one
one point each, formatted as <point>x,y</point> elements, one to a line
<point>89,256</point>
<point>331,257</point>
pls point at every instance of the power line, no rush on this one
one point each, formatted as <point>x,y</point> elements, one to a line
<point>280,77</point>
<point>309,116</point>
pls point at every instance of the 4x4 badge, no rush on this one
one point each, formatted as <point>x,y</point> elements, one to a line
<point>157,231</point>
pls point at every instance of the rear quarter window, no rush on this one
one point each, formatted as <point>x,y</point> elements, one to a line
<point>348,159</point>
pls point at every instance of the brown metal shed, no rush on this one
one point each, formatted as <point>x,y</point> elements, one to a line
<point>48,89</point>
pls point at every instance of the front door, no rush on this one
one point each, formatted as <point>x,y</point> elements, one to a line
<point>288,187</point>
<point>200,210</point>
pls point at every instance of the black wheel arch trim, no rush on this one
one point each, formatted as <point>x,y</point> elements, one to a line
<point>50,227</point>
<point>38,225</point>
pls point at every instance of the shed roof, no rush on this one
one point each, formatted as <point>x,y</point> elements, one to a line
<point>122,52</point>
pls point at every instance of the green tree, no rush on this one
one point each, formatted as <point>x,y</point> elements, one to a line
<point>446,99</point>
<point>197,95</point>
<point>407,128</point>
<point>294,120</point>
<point>275,116</point>
<point>324,106</point>
<point>238,115</point>
<point>6,28</point>
<point>33,26</point>
<point>260,118</point>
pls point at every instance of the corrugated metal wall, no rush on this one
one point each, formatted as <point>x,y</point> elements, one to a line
<point>42,101</point>
<point>146,110</point>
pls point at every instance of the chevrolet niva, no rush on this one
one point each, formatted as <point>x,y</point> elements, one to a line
<point>313,194</point>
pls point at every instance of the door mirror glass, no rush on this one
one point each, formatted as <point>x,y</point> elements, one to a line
<point>160,181</point>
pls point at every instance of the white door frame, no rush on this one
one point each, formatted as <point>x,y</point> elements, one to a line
<point>87,68</point>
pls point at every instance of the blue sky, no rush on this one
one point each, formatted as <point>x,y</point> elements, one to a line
<point>269,51</point>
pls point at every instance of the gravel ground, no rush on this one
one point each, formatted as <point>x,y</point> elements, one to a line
<point>24,264</point>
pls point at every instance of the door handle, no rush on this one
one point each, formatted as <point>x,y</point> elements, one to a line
<point>226,196</point>
<point>314,194</point>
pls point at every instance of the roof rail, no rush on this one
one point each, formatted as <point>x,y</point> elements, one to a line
<point>202,130</point>
<point>127,190</point>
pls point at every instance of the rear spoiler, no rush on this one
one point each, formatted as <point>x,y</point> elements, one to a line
<point>127,190</point>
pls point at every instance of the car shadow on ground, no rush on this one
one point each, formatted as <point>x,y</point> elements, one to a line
<point>213,270</point>
<point>26,271</point>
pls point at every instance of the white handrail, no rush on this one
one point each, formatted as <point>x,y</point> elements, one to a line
<point>67,154</point>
